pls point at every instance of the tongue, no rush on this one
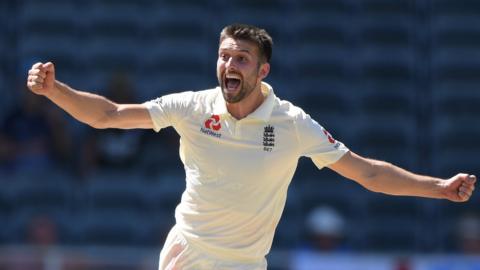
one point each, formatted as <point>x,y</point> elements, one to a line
<point>232,84</point>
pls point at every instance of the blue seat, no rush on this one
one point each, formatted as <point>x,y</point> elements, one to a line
<point>292,217</point>
<point>389,103</point>
<point>188,5</point>
<point>322,32</point>
<point>392,234</point>
<point>120,193</point>
<point>328,71</point>
<point>386,140</point>
<point>161,222</point>
<point>110,228</point>
<point>41,192</point>
<point>252,6</point>
<point>117,22</point>
<point>453,107</point>
<point>394,35</point>
<point>21,224</point>
<point>388,9</point>
<point>455,66</point>
<point>165,194</point>
<point>454,139</point>
<point>382,65</point>
<point>384,206</point>
<point>462,8</point>
<point>56,17</point>
<point>451,32</point>
<point>324,7</point>
<point>57,39</point>
<point>5,209</point>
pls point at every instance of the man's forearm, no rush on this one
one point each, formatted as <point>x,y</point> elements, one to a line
<point>390,179</point>
<point>86,107</point>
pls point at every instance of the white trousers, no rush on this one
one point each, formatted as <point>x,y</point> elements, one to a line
<point>178,254</point>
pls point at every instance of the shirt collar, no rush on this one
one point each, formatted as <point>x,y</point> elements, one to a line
<point>263,112</point>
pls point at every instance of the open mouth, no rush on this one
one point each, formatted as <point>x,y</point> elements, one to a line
<point>232,82</point>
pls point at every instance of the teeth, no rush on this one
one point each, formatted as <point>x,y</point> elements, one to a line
<point>232,76</point>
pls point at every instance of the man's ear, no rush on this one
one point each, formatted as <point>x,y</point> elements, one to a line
<point>264,70</point>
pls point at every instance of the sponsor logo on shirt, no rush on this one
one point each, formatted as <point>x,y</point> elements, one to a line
<point>268,138</point>
<point>212,125</point>
<point>213,122</point>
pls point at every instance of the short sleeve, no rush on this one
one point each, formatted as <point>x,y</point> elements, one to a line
<point>317,143</point>
<point>169,110</point>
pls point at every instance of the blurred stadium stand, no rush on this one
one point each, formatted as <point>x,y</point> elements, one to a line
<point>394,80</point>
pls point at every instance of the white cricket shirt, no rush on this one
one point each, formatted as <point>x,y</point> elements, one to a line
<point>238,171</point>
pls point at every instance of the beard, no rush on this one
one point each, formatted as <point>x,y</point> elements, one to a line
<point>234,97</point>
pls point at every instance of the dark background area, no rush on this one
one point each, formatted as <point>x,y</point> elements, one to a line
<point>395,80</point>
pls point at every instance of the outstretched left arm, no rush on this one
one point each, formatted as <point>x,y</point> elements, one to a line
<point>380,176</point>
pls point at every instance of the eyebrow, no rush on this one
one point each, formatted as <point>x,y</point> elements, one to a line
<point>240,50</point>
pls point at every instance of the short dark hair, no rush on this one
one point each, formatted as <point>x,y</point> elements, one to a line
<point>253,34</point>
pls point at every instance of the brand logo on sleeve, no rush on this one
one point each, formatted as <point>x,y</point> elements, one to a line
<point>212,125</point>
<point>268,138</point>
<point>331,139</point>
<point>329,136</point>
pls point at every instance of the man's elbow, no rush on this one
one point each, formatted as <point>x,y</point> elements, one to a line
<point>371,177</point>
<point>98,124</point>
<point>103,122</point>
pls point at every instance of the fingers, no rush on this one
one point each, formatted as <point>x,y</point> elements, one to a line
<point>467,187</point>
<point>40,76</point>
<point>37,70</point>
<point>463,196</point>
<point>49,67</point>
<point>472,179</point>
<point>36,65</point>
<point>465,190</point>
<point>36,77</point>
<point>34,85</point>
<point>41,69</point>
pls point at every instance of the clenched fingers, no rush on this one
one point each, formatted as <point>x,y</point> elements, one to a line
<point>465,191</point>
<point>36,78</point>
<point>467,187</point>
<point>38,71</point>
<point>34,85</point>
<point>37,65</point>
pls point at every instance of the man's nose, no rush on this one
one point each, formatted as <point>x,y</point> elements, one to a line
<point>230,64</point>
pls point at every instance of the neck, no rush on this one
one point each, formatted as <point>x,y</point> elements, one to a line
<point>249,104</point>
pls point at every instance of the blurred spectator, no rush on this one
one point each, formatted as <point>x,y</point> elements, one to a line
<point>468,234</point>
<point>113,148</point>
<point>32,137</point>
<point>326,228</point>
<point>326,236</point>
<point>42,231</point>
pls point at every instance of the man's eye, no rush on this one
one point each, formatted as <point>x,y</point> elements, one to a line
<point>242,59</point>
<point>224,57</point>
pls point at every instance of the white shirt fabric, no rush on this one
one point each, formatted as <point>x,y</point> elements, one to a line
<point>238,171</point>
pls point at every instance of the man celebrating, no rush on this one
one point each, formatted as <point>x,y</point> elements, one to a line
<point>239,145</point>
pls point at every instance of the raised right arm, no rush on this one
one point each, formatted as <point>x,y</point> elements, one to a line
<point>91,109</point>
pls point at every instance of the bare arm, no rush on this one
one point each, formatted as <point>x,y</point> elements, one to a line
<point>91,109</point>
<point>386,178</point>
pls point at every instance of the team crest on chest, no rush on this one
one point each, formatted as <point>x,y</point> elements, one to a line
<point>268,138</point>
